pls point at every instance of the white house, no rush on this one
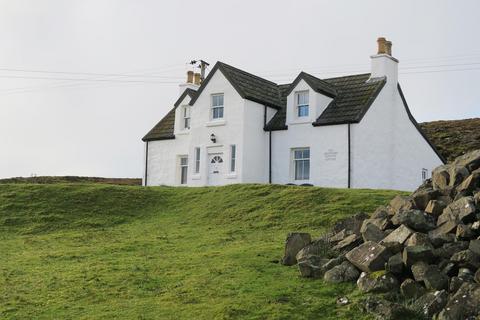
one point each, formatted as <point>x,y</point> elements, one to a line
<point>353,131</point>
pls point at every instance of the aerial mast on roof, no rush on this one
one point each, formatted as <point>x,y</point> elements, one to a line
<point>202,64</point>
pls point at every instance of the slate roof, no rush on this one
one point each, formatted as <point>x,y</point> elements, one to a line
<point>352,96</point>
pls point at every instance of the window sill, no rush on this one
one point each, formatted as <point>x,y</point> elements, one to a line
<point>215,123</point>
<point>196,177</point>
<point>232,175</point>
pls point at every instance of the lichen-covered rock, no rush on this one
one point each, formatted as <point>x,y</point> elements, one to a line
<point>440,177</point>
<point>399,235</point>
<point>351,224</point>
<point>461,210</point>
<point>348,243</point>
<point>333,262</point>
<point>418,239</point>
<point>377,282</point>
<point>465,232</point>
<point>295,242</point>
<point>372,233</point>
<point>384,310</point>
<point>311,266</point>
<point>434,279</point>
<point>411,289</point>
<point>432,302</point>
<point>435,207</point>
<point>401,203</point>
<point>440,235</point>
<point>345,272</point>
<point>395,264</point>
<point>449,249</point>
<point>422,197</point>
<point>369,256</point>
<point>418,270</point>
<point>466,258</point>
<point>474,246</point>
<point>463,304</point>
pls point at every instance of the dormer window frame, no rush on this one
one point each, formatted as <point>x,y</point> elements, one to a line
<point>186,117</point>
<point>302,106</point>
<point>217,112</point>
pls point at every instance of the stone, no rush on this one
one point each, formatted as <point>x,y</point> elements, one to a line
<point>342,301</point>
<point>333,262</point>
<point>466,274</point>
<point>455,284</point>
<point>411,289</point>
<point>377,282</point>
<point>372,233</point>
<point>448,268</point>
<point>465,232</point>
<point>421,198</point>
<point>462,210</point>
<point>440,177</point>
<point>444,228</point>
<point>471,183</point>
<point>401,203</point>
<point>474,245</point>
<point>440,240</point>
<point>435,207</point>
<point>457,174</point>
<point>464,304</point>
<point>414,219</point>
<point>418,270</point>
<point>399,235</point>
<point>418,239</point>
<point>414,254</point>
<point>348,243</point>
<point>381,223</point>
<point>467,259</point>
<point>395,264</point>
<point>432,302</point>
<point>434,279</point>
<point>382,212</point>
<point>470,160</point>
<point>339,236</point>
<point>311,266</point>
<point>295,242</point>
<point>476,277</point>
<point>448,249</point>
<point>319,247</point>
<point>476,199</point>
<point>351,224</point>
<point>369,256</point>
<point>382,309</point>
<point>345,272</point>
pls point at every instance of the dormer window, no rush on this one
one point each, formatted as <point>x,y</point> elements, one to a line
<point>301,104</point>
<point>217,106</point>
<point>186,117</point>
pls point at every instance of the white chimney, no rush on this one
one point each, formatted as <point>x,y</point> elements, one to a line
<point>190,82</point>
<point>383,64</point>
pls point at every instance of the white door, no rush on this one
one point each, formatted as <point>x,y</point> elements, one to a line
<point>215,169</point>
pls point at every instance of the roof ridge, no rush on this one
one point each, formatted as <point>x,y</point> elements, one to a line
<point>247,73</point>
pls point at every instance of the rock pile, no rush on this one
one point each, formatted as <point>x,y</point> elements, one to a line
<point>425,246</point>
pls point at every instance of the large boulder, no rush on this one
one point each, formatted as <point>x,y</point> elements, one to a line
<point>377,282</point>
<point>311,266</point>
<point>457,174</point>
<point>345,272</point>
<point>401,203</point>
<point>418,239</point>
<point>434,279</point>
<point>440,177</point>
<point>461,210</point>
<point>470,160</point>
<point>369,256</point>
<point>449,249</point>
<point>295,242</point>
<point>414,254</point>
<point>464,304</point>
<point>414,219</point>
<point>435,207</point>
<point>470,184</point>
<point>466,258</point>
<point>348,243</point>
<point>372,233</point>
<point>443,233</point>
<point>422,197</point>
<point>418,270</point>
<point>351,224</point>
<point>395,264</point>
<point>382,309</point>
<point>465,232</point>
<point>474,246</point>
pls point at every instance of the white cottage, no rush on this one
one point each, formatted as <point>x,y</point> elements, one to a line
<point>353,131</point>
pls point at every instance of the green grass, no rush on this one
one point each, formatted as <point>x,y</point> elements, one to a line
<point>86,251</point>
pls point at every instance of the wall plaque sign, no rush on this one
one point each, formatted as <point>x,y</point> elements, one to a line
<point>330,155</point>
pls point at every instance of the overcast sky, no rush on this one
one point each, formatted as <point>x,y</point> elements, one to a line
<point>134,52</point>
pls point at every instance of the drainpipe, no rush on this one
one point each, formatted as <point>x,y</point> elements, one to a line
<point>349,157</point>
<point>269,145</point>
<point>146,162</point>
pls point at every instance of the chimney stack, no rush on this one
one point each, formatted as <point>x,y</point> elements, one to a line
<point>190,77</point>
<point>191,83</point>
<point>197,79</point>
<point>383,64</point>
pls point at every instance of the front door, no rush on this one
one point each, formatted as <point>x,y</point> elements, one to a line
<point>215,169</point>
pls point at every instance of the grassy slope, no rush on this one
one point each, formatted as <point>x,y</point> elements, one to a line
<point>99,251</point>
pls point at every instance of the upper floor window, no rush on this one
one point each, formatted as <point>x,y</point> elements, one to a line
<point>301,102</point>
<point>217,106</point>
<point>186,117</point>
<point>301,163</point>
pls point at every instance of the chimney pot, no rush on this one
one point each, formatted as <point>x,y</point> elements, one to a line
<point>382,45</point>
<point>388,47</point>
<point>190,77</point>
<point>197,78</point>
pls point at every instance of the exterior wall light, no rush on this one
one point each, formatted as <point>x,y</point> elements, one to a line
<point>213,138</point>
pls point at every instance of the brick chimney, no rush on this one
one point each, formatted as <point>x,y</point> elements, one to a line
<point>191,82</point>
<point>383,64</point>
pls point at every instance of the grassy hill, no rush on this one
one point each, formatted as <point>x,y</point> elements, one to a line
<point>453,137</point>
<point>90,251</point>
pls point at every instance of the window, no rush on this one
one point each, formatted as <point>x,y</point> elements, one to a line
<point>424,174</point>
<point>197,160</point>
<point>186,117</point>
<point>217,106</point>
<point>183,170</point>
<point>301,100</point>
<point>233,157</point>
<point>301,162</point>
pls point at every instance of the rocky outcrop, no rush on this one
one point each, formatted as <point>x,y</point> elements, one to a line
<point>425,246</point>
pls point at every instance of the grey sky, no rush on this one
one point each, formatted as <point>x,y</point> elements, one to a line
<point>59,127</point>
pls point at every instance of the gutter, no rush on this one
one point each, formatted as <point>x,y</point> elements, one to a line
<point>146,162</point>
